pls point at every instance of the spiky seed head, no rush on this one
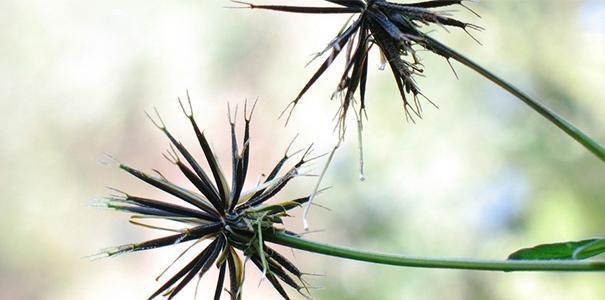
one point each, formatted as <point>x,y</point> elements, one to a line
<point>395,28</point>
<point>232,220</point>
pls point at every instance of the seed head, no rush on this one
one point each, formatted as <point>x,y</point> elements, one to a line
<point>397,30</point>
<point>232,220</point>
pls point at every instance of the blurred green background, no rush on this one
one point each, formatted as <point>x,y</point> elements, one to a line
<point>481,176</point>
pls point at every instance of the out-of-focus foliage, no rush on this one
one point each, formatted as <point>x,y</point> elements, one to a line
<point>479,177</point>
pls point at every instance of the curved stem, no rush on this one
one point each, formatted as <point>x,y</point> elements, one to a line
<point>435,263</point>
<point>553,117</point>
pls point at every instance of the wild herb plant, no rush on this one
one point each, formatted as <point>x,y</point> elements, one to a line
<point>397,30</point>
<point>248,222</point>
<point>234,220</point>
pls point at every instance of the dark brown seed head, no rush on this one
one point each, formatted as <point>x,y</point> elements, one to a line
<point>395,28</point>
<point>231,218</point>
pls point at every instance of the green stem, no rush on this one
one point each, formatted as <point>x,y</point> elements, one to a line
<point>435,263</point>
<point>563,124</point>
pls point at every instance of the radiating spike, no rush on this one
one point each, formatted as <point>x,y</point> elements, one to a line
<point>171,208</point>
<point>270,277</point>
<point>221,279</point>
<point>219,178</point>
<point>200,185</point>
<point>181,273</point>
<point>301,9</point>
<point>205,258</point>
<point>171,188</point>
<point>236,274</point>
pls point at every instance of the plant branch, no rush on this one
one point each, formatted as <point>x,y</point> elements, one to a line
<point>553,117</point>
<point>435,263</point>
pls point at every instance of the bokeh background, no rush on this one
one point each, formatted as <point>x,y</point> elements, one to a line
<point>481,176</point>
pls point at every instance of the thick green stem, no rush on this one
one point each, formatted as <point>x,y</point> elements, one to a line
<point>435,263</point>
<point>553,117</point>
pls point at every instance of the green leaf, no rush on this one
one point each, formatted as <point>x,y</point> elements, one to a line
<point>564,251</point>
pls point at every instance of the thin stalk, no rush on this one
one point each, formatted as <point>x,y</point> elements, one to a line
<point>553,117</point>
<point>435,263</point>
